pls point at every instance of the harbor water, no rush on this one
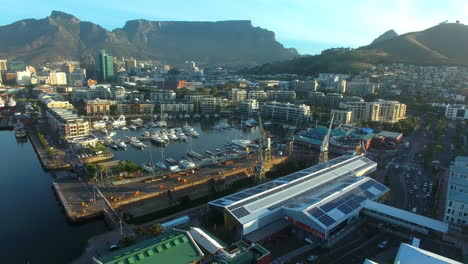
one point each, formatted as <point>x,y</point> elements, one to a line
<point>34,228</point>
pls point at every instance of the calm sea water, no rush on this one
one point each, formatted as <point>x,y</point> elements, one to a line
<point>209,139</point>
<point>33,227</point>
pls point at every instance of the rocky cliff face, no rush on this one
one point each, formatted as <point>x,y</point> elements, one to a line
<point>63,36</point>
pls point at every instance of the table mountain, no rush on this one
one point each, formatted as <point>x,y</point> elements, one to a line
<point>63,36</point>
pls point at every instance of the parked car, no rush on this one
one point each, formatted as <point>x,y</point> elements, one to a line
<point>311,258</point>
<point>383,244</point>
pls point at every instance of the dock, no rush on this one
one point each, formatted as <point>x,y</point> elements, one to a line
<point>142,197</point>
<point>58,162</point>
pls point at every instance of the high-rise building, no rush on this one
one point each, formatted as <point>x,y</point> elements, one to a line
<point>130,65</point>
<point>104,66</point>
<point>57,78</point>
<point>3,65</point>
<point>23,77</point>
<point>456,205</point>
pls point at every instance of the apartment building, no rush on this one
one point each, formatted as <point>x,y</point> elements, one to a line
<point>341,117</point>
<point>282,96</point>
<point>285,111</point>
<point>248,107</point>
<point>135,108</point>
<point>97,106</point>
<point>456,205</point>
<point>237,95</point>
<point>210,105</point>
<point>67,123</point>
<point>177,108</point>
<point>257,95</point>
<point>361,87</point>
<point>456,112</point>
<point>379,111</point>
<point>162,96</point>
<point>303,87</point>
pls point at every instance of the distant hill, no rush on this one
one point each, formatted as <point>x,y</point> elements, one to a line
<point>385,36</point>
<point>63,36</point>
<point>444,44</point>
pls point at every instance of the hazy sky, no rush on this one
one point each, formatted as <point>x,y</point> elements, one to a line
<point>307,25</point>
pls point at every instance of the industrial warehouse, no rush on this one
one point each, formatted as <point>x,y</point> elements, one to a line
<point>322,200</point>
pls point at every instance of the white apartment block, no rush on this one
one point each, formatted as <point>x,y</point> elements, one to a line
<point>210,105</point>
<point>248,107</point>
<point>57,78</point>
<point>303,86</point>
<point>177,108</point>
<point>237,95</point>
<point>162,96</point>
<point>456,112</point>
<point>285,111</point>
<point>23,77</point>
<point>456,205</point>
<point>341,117</point>
<point>257,95</point>
<point>67,123</point>
<point>379,111</point>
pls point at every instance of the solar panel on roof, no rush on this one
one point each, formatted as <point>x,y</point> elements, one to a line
<point>240,212</point>
<point>359,199</point>
<point>380,187</point>
<point>345,209</point>
<point>241,195</point>
<point>368,194</point>
<point>330,205</point>
<point>316,212</point>
<point>352,204</point>
<point>326,220</point>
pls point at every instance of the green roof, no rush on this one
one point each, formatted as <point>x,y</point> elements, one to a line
<point>173,247</point>
<point>368,136</point>
<point>308,140</point>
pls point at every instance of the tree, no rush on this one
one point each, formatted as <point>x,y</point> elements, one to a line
<point>113,110</point>
<point>228,86</point>
<point>205,91</point>
<point>156,229</point>
<point>91,170</point>
<point>126,241</point>
<point>214,90</point>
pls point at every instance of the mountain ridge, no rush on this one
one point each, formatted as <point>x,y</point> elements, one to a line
<point>64,36</point>
<point>443,44</point>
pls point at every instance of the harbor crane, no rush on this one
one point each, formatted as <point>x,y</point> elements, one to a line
<point>325,144</point>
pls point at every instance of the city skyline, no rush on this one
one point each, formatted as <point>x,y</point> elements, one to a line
<point>338,24</point>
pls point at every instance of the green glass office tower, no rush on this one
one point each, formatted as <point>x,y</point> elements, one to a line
<point>104,66</point>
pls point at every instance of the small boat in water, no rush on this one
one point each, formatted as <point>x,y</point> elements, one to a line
<point>161,165</point>
<point>186,164</point>
<point>171,161</point>
<point>148,167</point>
<point>121,144</point>
<point>137,143</point>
